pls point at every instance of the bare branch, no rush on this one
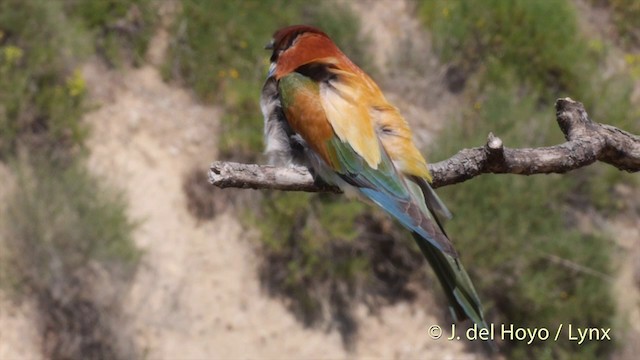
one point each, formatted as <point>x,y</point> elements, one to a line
<point>251,176</point>
<point>587,142</point>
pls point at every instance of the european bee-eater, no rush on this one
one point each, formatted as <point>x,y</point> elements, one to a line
<point>321,110</point>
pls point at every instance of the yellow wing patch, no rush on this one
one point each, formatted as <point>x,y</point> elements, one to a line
<point>347,108</point>
<point>397,139</point>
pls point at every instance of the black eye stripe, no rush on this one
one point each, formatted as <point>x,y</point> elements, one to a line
<point>292,39</point>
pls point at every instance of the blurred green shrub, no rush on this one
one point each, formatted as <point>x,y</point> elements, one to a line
<point>121,29</point>
<point>60,218</point>
<point>41,44</point>
<point>512,230</point>
<point>536,39</point>
<point>325,253</point>
<point>625,15</point>
<point>299,234</point>
<point>518,57</point>
<point>41,91</point>
<point>62,229</point>
<point>60,224</point>
<point>539,43</point>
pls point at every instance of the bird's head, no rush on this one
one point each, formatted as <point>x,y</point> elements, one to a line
<point>287,37</point>
<point>296,45</point>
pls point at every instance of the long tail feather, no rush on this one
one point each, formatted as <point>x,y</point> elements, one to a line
<point>432,199</point>
<point>463,299</point>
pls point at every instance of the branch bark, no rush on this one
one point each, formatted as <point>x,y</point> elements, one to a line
<point>587,142</point>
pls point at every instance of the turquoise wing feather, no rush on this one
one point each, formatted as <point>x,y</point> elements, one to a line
<point>387,188</point>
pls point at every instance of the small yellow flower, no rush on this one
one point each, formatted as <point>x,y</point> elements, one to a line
<point>234,73</point>
<point>445,12</point>
<point>243,44</point>
<point>596,46</point>
<point>12,54</point>
<point>76,84</point>
<point>632,59</point>
<point>477,105</point>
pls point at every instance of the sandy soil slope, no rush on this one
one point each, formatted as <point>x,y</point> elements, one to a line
<point>19,338</point>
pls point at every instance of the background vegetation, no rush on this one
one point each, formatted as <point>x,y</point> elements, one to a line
<point>505,86</point>
<point>61,224</point>
<point>515,66</point>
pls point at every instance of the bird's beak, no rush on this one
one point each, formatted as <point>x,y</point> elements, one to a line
<point>269,46</point>
<point>272,70</point>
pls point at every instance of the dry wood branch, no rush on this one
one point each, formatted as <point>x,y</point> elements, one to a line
<point>587,142</point>
<point>251,176</point>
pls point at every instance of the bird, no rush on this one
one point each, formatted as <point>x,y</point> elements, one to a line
<point>324,112</point>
